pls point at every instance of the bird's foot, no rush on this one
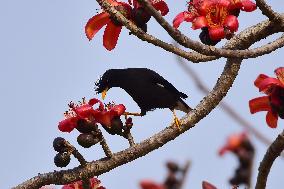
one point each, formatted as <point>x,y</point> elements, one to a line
<point>177,122</point>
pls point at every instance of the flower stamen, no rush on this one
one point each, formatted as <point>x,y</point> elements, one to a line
<point>216,16</point>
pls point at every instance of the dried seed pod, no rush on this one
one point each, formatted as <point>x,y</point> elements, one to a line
<point>62,159</point>
<point>87,140</point>
<point>59,145</point>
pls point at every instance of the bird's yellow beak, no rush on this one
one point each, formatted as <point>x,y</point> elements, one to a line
<point>104,93</point>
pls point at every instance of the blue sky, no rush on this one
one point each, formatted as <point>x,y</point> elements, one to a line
<point>46,61</point>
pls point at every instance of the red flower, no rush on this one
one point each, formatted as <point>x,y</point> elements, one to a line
<point>233,143</point>
<point>273,103</point>
<point>245,5</point>
<point>113,27</point>
<point>159,5</point>
<point>148,184</point>
<point>105,117</point>
<point>85,111</point>
<point>94,182</point>
<point>212,14</point>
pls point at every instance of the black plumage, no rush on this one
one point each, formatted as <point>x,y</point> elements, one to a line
<point>147,88</point>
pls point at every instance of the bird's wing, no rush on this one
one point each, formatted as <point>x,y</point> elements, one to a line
<point>160,81</point>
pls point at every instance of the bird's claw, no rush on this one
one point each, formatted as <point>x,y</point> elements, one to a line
<point>177,122</point>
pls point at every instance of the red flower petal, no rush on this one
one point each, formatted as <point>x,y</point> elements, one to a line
<point>67,125</point>
<point>224,3</point>
<point>95,24</point>
<point>259,79</point>
<point>271,119</point>
<point>280,74</point>
<point>104,117</point>
<point>111,35</point>
<point>136,5</point>
<point>216,33</point>
<point>203,6</point>
<point>94,101</point>
<point>270,82</point>
<point>84,111</point>
<point>161,6</point>
<point>231,22</point>
<point>207,185</point>
<point>95,183</point>
<point>233,142</point>
<point>112,2</point>
<point>223,150</point>
<point>236,4</point>
<point>148,184</point>
<point>79,184</point>
<point>118,109</point>
<point>259,104</point>
<point>183,16</point>
<point>199,22</point>
<point>248,5</point>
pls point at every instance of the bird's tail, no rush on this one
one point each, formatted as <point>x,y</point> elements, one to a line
<point>182,106</point>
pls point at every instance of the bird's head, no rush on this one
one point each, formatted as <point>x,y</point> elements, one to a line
<point>105,83</point>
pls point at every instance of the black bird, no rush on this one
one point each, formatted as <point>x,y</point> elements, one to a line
<point>147,88</point>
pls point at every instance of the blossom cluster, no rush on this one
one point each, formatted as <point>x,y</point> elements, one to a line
<point>132,10</point>
<point>217,18</point>
<point>239,144</point>
<point>84,112</point>
<point>273,101</point>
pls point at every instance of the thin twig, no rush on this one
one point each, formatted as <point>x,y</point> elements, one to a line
<point>268,11</point>
<point>184,174</point>
<point>76,153</point>
<point>271,154</point>
<point>130,139</point>
<point>105,147</point>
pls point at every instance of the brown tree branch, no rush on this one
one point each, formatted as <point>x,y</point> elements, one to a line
<point>271,154</point>
<point>223,105</point>
<point>267,10</point>
<point>104,165</point>
<point>210,50</point>
<point>197,57</point>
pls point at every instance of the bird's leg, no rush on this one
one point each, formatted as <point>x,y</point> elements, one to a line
<point>177,122</point>
<point>132,114</point>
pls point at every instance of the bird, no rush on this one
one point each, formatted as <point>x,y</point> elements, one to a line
<point>146,87</point>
